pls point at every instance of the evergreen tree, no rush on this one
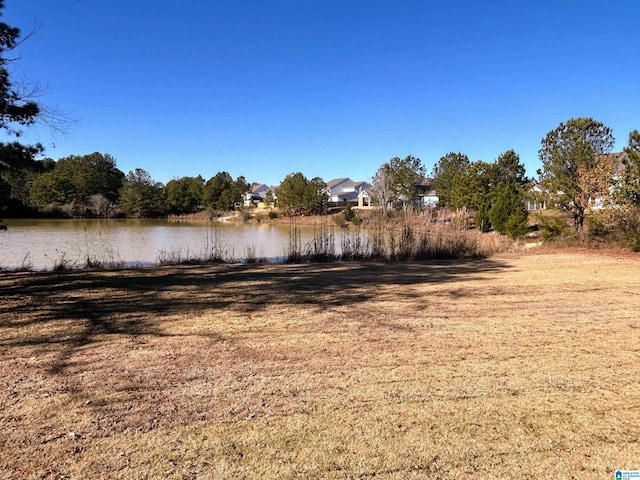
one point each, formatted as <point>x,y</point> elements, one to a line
<point>444,173</point>
<point>629,193</point>
<point>76,180</point>
<point>17,106</point>
<point>185,195</point>
<point>576,164</point>
<point>224,193</point>
<point>299,195</point>
<point>509,213</point>
<point>141,196</point>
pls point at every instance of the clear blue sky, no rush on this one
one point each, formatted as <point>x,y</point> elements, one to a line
<point>264,88</point>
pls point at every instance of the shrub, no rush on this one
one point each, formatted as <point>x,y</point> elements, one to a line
<point>601,223</point>
<point>553,227</point>
<point>348,214</point>
<point>516,226</point>
<point>509,214</point>
<point>617,225</point>
<point>483,223</point>
<point>339,221</point>
<point>273,214</point>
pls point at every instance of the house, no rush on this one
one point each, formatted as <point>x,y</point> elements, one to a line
<point>427,194</point>
<point>537,198</point>
<point>257,195</point>
<point>344,191</point>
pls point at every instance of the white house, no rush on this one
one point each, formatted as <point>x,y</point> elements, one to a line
<point>537,198</point>
<point>344,191</point>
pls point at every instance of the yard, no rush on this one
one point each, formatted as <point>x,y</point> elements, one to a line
<point>518,366</point>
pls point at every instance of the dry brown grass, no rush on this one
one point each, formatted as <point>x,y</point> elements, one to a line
<point>512,367</point>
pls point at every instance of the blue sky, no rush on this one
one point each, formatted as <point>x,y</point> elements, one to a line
<point>329,88</point>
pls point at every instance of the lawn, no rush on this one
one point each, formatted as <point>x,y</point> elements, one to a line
<point>517,366</point>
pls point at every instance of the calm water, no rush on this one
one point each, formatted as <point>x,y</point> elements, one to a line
<point>42,243</point>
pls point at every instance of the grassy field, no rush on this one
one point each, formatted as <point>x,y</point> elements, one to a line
<point>517,366</point>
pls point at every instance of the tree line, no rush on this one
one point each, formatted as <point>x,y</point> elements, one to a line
<point>579,173</point>
<point>494,191</point>
<point>93,186</point>
<point>577,168</point>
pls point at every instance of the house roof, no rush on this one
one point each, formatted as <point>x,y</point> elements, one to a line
<point>425,186</point>
<point>260,190</point>
<point>539,188</point>
<point>336,182</point>
<point>345,184</point>
<point>361,185</point>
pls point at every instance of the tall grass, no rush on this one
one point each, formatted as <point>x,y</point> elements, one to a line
<point>26,265</point>
<point>61,263</point>
<point>322,247</point>
<point>413,235</point>
<point>356,245</point>
<point>100,254</point>
<point>177,257</point>
<point>293,252</point>
<point>252,257</point>
<point>214,250</point>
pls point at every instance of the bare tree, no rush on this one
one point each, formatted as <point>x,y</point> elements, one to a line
<point>382,186</point>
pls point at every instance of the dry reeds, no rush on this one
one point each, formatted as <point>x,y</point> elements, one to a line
<point>414,235</point>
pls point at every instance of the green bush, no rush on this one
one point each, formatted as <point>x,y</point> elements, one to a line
<point>553,227</point>
<point>634,242</point>
<point>273,214</point>
<point>516,226</point>
<point>483,223</point>
<point>509,214</point>
<point>348,214</point>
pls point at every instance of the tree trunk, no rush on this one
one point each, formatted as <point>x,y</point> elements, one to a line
<point>578,218</point>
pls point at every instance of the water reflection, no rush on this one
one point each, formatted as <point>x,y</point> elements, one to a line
<point>41,243</point>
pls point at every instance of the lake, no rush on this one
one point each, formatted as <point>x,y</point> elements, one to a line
<point>41,244</point>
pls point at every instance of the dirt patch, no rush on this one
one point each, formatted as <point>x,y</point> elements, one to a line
<point>516,366</point>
